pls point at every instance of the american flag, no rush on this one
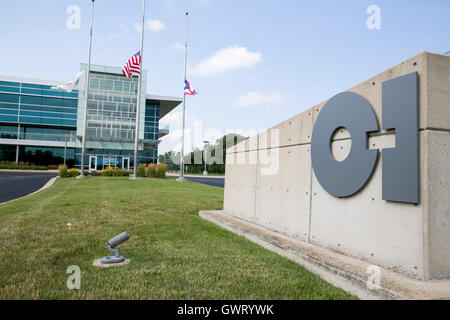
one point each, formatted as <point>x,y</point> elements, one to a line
<point>132,66</point>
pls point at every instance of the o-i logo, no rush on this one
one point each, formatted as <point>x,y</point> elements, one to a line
<point>400,165</point>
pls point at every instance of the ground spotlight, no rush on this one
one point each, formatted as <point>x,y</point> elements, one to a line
<point>112,244</point>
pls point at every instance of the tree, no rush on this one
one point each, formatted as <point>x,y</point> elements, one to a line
<point>191,166</point>
<point>170,159</point>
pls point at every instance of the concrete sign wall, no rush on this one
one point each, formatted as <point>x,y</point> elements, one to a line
<point>399,214</point>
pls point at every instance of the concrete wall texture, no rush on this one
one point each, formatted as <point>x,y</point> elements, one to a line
<point>284,195</point>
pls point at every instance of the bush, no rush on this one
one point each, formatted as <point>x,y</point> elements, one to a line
<point>161,169</point>
<point>108,172</point>
<point>141,170</point>
<point>20,166</point>
<point>94,173</point>
<point>120,173</point>
<point>113,172</point>
<point>73,172</point>
<point>62,171</point>
<point>151,168</point>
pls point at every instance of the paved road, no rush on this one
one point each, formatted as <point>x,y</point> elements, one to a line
<point>216,182</point>
<point>14,185</point>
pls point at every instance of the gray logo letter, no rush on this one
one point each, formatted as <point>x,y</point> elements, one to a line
<point>401,165</point>
<point>347,177</point>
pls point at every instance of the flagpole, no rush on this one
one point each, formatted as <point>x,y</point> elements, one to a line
<point>86,96</point>
<point>138,104</point>
<point>181,178</point>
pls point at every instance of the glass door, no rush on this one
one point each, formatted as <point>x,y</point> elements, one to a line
<point>93,163</point>
<point>126,163</point>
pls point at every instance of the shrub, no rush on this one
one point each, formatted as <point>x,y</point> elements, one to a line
<point>73,172</point>
<point>108,172</point>
<point>141,170</point>
<point>21,166</point>
<point>120,173</point>
<point>161,169</point>
<point>62,171</point>
<point>114,172</point>
<point>52,166</point>
<point>151,170</point>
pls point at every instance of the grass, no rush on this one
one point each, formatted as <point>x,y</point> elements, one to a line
<point>174,253</point>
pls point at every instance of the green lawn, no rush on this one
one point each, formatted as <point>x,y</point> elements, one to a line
<point>174,253</point>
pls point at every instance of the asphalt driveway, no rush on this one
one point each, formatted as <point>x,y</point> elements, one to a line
<point>14,185</point>
<point>215,182</point>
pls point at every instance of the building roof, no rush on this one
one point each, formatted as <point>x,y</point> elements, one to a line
<point>31,80</point>
<point>166,104</point>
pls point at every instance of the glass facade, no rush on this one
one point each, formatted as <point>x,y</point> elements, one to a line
<point>7,152</point>
<point>37,133</point>
<point>111,120</point>
<point>37,104</point>
<point>41,156</point>
<point>104,158</point>
<point>151,123</point>
<point>38,122</point>
<point>111,107</point>
<point>31,112</point>
<point>8,131</point>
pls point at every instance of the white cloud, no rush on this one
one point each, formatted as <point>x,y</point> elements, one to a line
<point>171,3</point>
<point>137,26</point>
<point>172,119</point>
<point>257,98</point>
<point>150,25</point>
<point>178,46</point>
<point>204,3</point>
<point>155,25</point>
<point>227,59</point>
<point>192,135</point>
<point>113,35</point>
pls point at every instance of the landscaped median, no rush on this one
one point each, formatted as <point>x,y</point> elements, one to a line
<point>174,253</point>
<point>150,170</point>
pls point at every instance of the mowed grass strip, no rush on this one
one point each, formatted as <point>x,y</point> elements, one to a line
<point>174,253</point>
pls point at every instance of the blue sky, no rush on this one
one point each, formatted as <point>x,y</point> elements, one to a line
<point>254,62</point>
